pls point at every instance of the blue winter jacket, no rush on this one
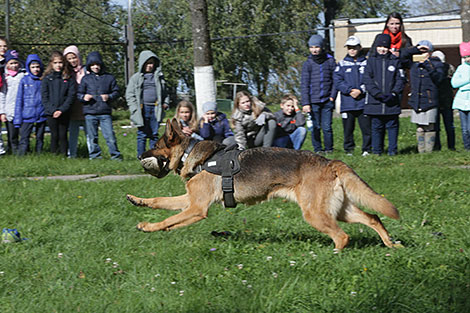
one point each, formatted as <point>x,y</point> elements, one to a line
<point>316,82</point>
<point>425,79</point>
<point>219,127</point>
<point>383,76</point>
<point>349,75</point>
<point>28,106</point>
<point>96,85</point>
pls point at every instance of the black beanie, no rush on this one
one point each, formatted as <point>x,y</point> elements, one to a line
<point>383,40</point>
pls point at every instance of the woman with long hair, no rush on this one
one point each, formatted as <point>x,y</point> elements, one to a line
<point>395,28</point>
<point>253,124</point>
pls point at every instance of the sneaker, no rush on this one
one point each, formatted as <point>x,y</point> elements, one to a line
<point>10,235</point>
<point>365,153</point>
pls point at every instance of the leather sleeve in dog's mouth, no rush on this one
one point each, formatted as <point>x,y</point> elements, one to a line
<point>156,166</point>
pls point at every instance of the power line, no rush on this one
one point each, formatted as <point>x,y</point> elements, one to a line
<point>94,17</point>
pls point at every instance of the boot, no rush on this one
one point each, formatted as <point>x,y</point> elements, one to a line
<point>420,139</point>
<point>429,140</point>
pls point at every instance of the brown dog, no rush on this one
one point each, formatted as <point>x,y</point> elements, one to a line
<point>327,191</point>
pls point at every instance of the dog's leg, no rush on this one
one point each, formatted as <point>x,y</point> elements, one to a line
<point>353,214</point>
<point>167,203</point>
<point>187,217</point>
<point>203,190</point>
<point>320,204</point>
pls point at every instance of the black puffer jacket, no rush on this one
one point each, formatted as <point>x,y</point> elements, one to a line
<point>57,93</point>
<point>96,85</point>
<point>425,78</point>
<point>383,76</point>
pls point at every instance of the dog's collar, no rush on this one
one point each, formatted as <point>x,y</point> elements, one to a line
<point>187,151</point>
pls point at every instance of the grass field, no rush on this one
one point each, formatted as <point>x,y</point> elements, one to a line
<point>83,253</point>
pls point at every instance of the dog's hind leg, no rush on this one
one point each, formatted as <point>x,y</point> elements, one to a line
<point>319,210</point>
<point>166,203</point>
<point>352,214</point>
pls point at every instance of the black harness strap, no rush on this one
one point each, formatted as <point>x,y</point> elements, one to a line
<point>225,163</point>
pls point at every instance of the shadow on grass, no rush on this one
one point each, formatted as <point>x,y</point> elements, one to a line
<point>309,237</point>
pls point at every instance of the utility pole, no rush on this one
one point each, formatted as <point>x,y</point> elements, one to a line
<point>203,70</point>
<point>465,19</point>
<point>7,20</point>
<point>129,30</point>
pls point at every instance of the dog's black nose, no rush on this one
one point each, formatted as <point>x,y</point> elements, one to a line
<point>139,157</point>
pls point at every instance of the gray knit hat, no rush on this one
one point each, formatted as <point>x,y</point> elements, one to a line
<point>316,40</point>
<point>209,106</point>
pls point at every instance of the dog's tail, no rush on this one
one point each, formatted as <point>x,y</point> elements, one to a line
<point>359,192</point>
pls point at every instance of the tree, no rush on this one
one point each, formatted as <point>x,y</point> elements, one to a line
<point>203,69</point>
<point>465,17</point>
<point>35,24</point>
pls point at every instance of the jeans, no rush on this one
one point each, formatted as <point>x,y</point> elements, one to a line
<point>380,123</point>
<point>58,127</point>
<point>448,117</point>
<point>465,124</point>
<point>74,129</point>
<point>349,124</point>
<point>25,132</point>
<point>105,122</point>
<point>293,140</point>
<point>322,114</point>
<point>148,131</point>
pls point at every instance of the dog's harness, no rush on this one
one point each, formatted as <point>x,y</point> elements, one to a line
<point>224,162</point>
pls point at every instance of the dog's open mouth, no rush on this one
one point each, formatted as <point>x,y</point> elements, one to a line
<point>156,166</point>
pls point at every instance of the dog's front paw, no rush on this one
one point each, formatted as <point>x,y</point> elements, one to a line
<point>135,201</point>
<point>143,226</point>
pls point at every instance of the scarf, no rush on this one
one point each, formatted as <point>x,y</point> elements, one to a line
<point>319,58</point>
<point>396,39</point>
<point>12,73</point>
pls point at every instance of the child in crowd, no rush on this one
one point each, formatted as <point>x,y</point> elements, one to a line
<point>77,119</point>
<point>58,93</point>
<point>214,125</point>
<point>318,92</point>
<point>13,75</point>
<point>186,116</point>
<point>29,111</point>
<point>461,80</point>
<point>147,99</point>
<point>349,81</point>
<point>384,80</point>
<point>96,90</point>
<point>290,121</point>
<point>3,50</point>
<point>446,95</point>
<point>254,125</point>
<point>426,74</point>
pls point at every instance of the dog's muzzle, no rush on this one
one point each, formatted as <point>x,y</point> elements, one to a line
<point>156,166</point>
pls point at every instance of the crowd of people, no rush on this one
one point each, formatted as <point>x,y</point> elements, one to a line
<point>67,95</point>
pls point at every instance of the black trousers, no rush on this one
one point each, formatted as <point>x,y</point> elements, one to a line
<point>349,125</point>
<point>13,134</point>
<point>58,127</point>
<point>25,132</point>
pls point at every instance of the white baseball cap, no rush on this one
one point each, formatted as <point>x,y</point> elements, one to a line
<point>352,41</point>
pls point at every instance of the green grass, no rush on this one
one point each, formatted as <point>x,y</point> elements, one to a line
<point>73,228</point>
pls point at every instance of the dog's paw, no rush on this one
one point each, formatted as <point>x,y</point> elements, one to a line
<point>143,226</point>
<point>135,201</point>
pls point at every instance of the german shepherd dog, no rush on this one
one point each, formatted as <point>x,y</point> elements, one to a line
<point>326,190</point>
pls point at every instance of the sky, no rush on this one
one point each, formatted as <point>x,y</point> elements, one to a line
<point>121,2</point>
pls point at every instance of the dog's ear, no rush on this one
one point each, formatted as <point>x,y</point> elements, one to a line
<point>173,131</point>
